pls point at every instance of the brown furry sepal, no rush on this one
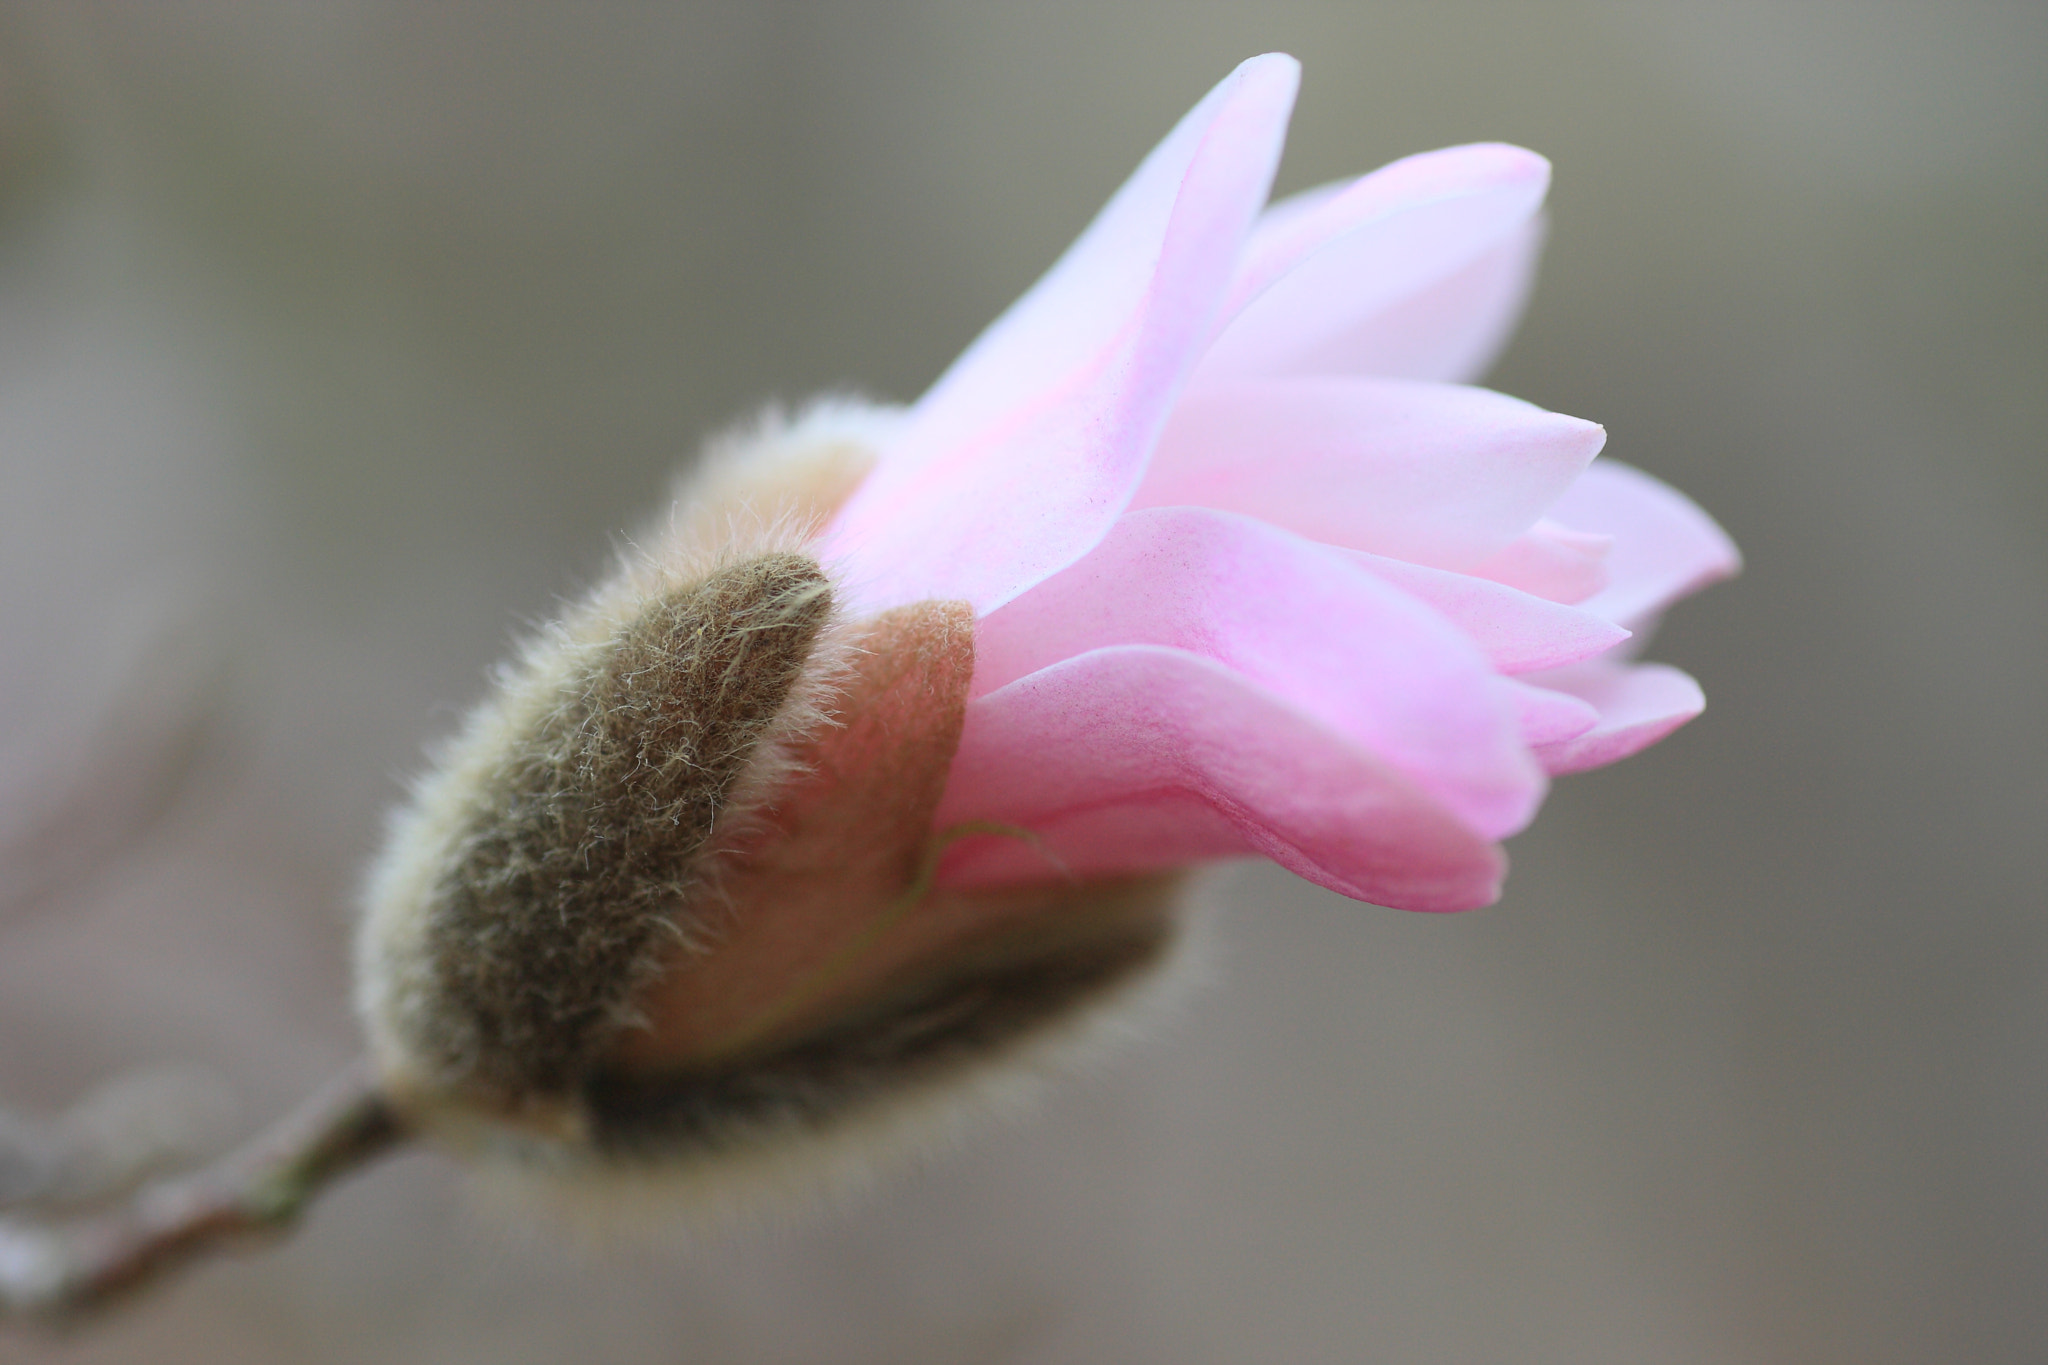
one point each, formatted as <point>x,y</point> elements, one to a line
<point>567,838</point>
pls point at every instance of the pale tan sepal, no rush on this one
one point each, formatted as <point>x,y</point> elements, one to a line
<point>835,853</point>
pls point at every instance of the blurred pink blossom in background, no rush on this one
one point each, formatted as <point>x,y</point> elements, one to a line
<point>1255,570</point>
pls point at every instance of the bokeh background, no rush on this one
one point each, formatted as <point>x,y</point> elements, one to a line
<point>337,339</point>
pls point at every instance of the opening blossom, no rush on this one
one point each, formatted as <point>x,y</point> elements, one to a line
<point>878,757</point>
<point>862,788</point>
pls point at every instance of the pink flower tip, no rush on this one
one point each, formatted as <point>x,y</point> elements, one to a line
<point>1234,432</point>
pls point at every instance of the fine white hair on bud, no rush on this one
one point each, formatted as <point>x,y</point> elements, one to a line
<point>667,901</point>
<point>580,838</point>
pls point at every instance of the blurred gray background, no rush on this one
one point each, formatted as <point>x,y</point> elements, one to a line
<point>338,338</point>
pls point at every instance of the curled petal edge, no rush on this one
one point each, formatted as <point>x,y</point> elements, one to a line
<point>1638,705</point>
<point>1366,657</point>
<point>1664,547</point>
<point>1137,757</point>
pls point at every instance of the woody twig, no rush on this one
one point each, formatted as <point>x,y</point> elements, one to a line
<point>65,1271</point>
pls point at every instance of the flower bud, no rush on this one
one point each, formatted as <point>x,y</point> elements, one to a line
<point>1203,550</point>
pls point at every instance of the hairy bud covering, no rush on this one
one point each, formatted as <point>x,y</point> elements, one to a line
<point>569,843</point>
<point>582,848</point>
<point>669,898</point>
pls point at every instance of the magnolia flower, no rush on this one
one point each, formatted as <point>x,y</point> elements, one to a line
<point>878,757</point>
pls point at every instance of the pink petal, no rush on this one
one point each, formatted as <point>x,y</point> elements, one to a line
<point>1136,758</point>
<point>1547,717</point>
<point>1664,545</point>
<point>1418,270</point>
<point>1452,330</point>
<point>1551,561</point>
<point>1518,632</point>
<point>1025,451</point>
<point>1302,622</point>
<point>1436,474</point>
<point>1638,704</point>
